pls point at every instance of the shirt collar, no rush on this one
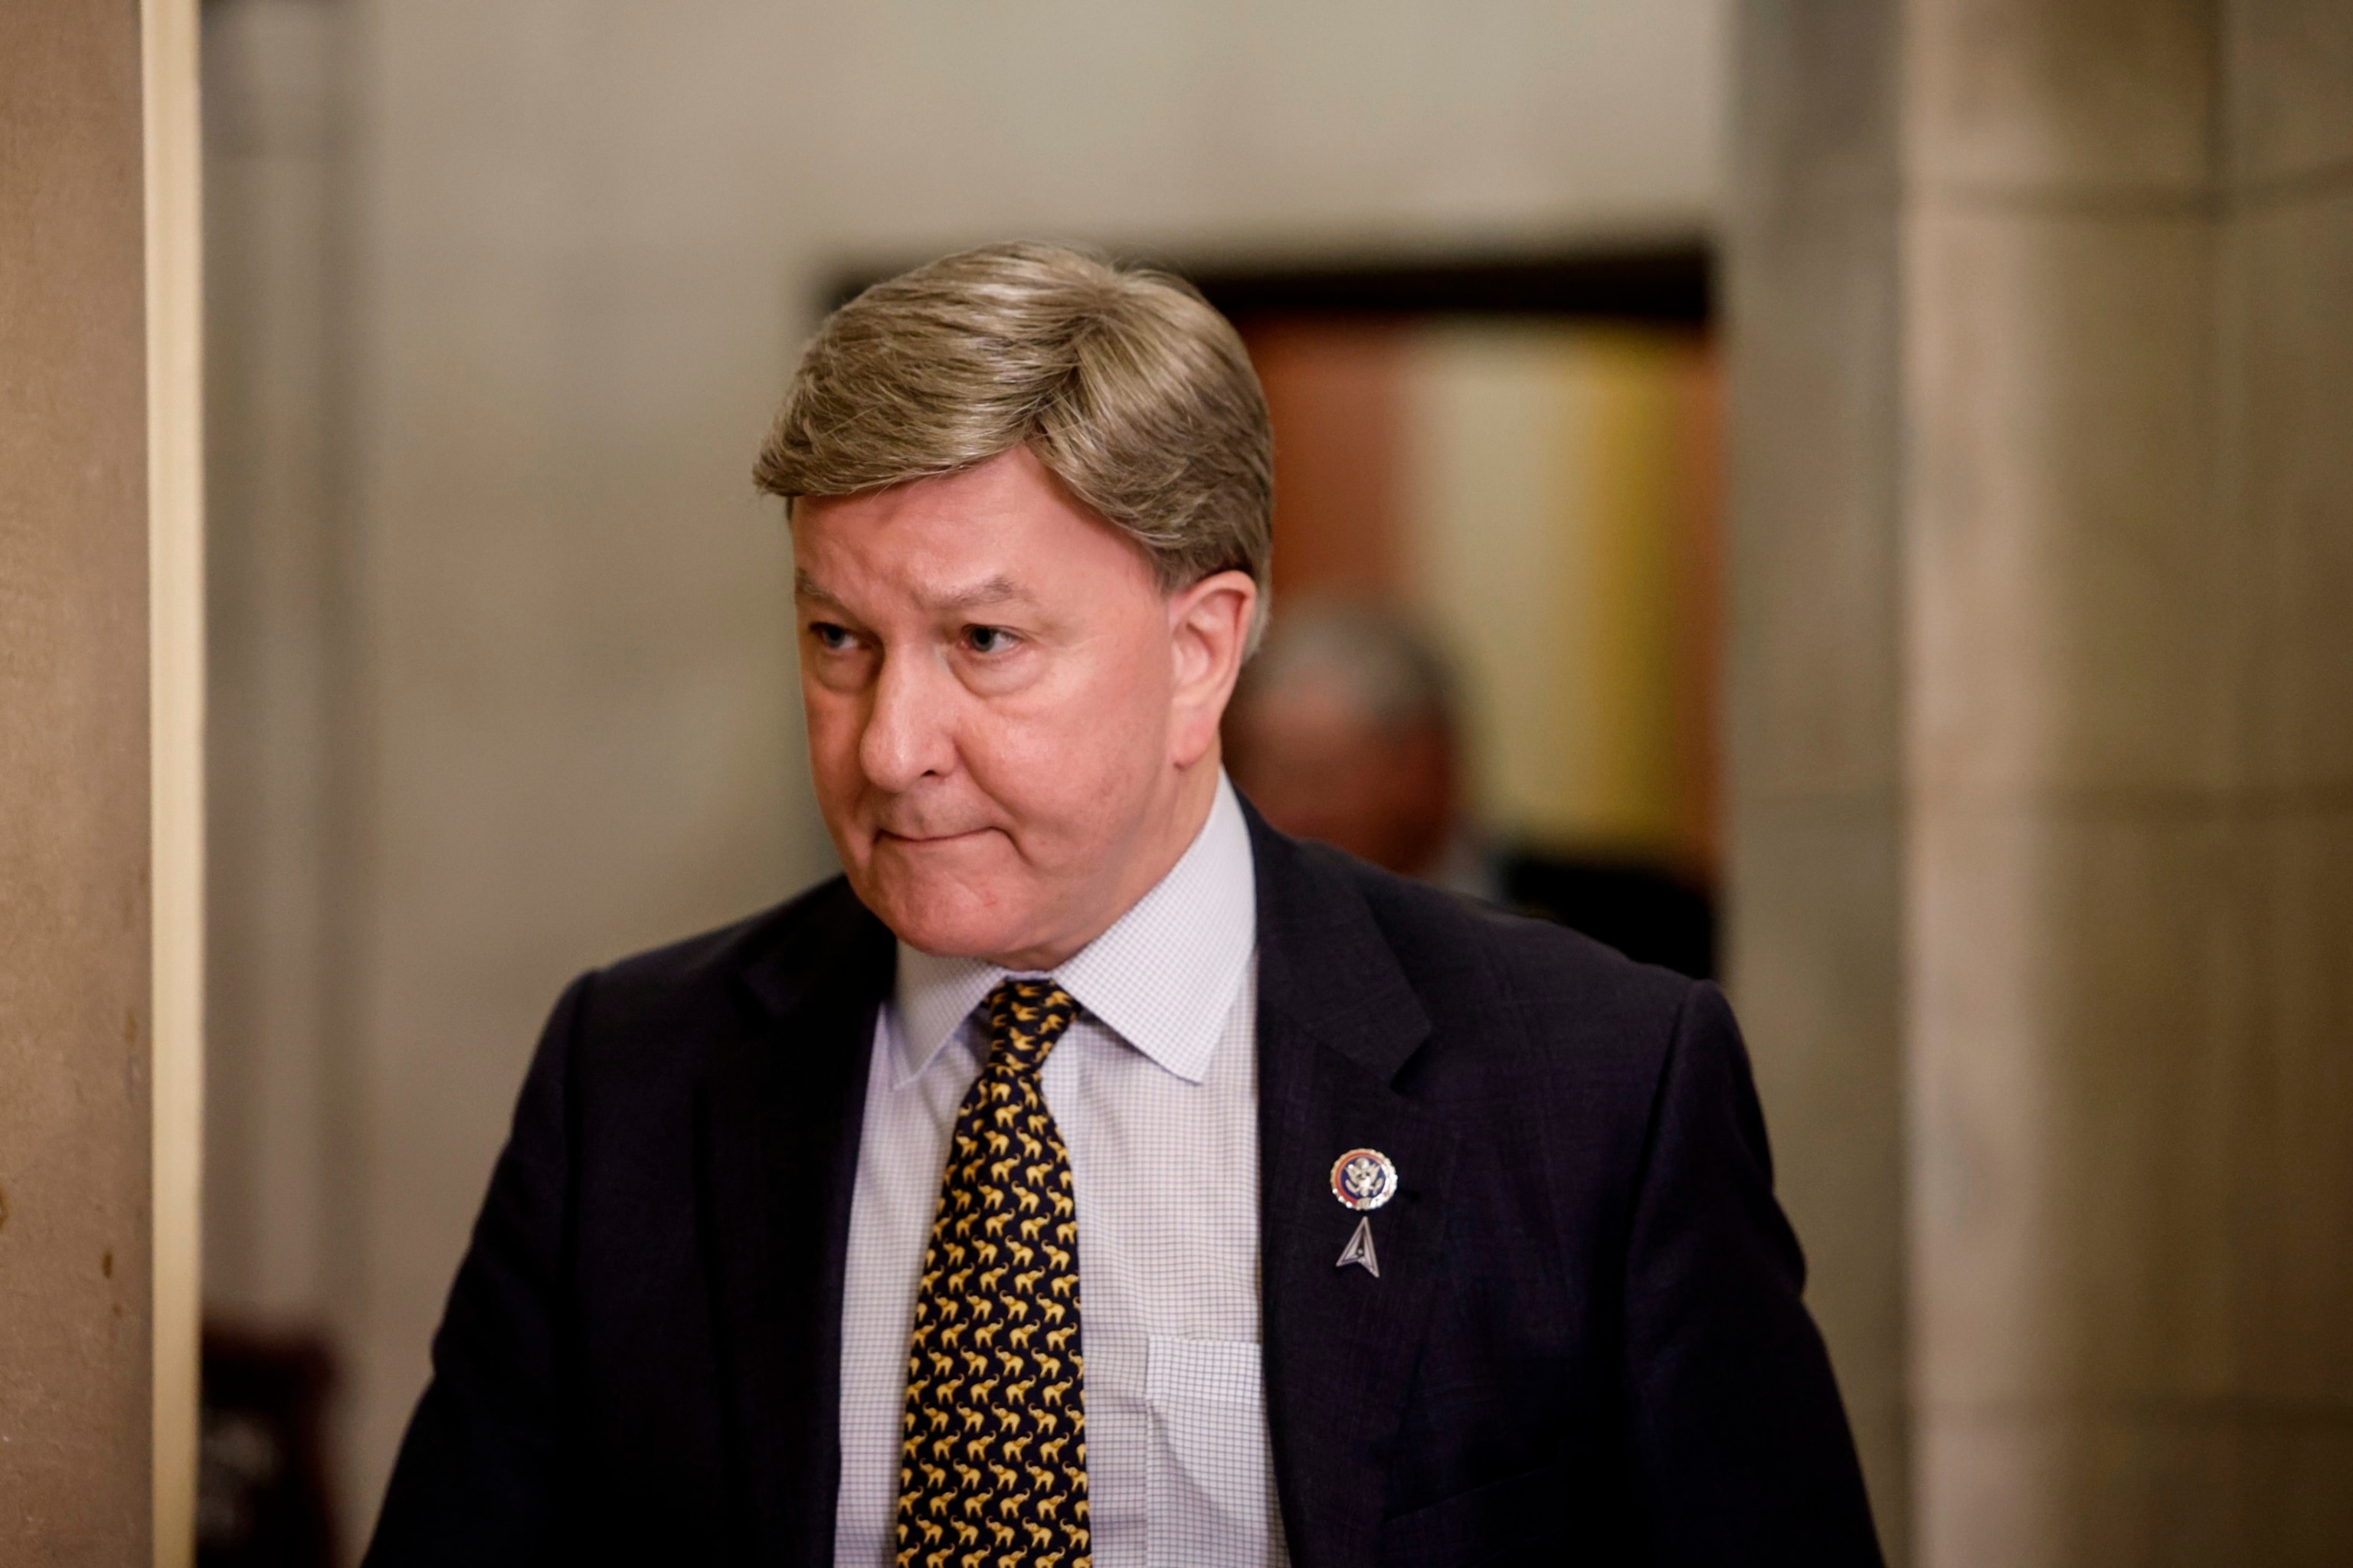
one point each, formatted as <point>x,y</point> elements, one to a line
<point>1162,978</point>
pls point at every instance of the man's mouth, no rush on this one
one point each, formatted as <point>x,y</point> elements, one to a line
<point>927,839</point>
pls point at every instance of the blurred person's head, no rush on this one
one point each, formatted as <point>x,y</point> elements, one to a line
<point>1344,730</point>
<point>1031,496</point>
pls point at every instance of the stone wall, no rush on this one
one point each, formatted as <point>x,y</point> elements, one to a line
<point>2046,514</point>
<point>75,1018</point>
<point>1814,683</point>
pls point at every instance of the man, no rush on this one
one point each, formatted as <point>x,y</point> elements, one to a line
<point>1092,1174</point>
<point>1346,728</point>
<point>1343,730</point>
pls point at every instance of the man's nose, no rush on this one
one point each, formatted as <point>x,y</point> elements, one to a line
<point>908,729</point>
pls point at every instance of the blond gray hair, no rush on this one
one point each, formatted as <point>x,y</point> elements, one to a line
<point>1128,385</point>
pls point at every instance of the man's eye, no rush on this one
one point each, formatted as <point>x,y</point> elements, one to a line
<point>987,639</point>
<point>829,636</point>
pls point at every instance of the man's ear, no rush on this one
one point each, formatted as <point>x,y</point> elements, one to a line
<point>1209,628</point>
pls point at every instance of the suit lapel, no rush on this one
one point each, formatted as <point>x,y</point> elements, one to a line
<point>1337,1021</point>
<point>780,1118</point>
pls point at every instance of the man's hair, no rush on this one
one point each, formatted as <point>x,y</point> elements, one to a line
<point>1128,385</point>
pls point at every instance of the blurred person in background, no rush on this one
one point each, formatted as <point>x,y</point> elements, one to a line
<point>1347,728</point>
<point>1092,1172</point>
<point>1343,730</point>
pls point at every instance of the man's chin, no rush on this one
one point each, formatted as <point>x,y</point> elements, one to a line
<point>945,931</point>
<point>945,908</point>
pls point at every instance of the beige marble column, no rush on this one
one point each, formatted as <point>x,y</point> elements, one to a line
<point>2285,401</point>
<point>2128,517</point>
<point>2122,809</point>
<point>1814,688</point>
<point>75,1016</point>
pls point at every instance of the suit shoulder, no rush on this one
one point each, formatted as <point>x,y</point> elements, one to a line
<point>1516,1004</point>
<point>686,988</point>
<point>1532,1024</point>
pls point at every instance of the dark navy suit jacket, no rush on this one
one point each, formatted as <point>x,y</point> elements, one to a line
<point>1586,1343</point>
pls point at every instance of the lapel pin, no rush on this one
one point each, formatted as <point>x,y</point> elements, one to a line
<point>1363,1180</point>
<point>1359,1250</point>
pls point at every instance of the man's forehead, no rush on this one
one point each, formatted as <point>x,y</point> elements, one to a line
<point>933,587</point>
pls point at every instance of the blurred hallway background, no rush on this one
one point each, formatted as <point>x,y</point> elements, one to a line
<point>1995,510</point>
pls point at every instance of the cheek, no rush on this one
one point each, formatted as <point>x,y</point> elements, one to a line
<point>834,724</point>
<point>1080,758</point>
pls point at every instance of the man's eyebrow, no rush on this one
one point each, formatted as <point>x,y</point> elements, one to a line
<point>989,590</point>
<point>807,587</point>
<point>995,589</point>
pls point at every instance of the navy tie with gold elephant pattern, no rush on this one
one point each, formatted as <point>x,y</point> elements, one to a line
<point>993,1458</point>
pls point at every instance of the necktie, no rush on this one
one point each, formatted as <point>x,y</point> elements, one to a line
<point>993,1458</point>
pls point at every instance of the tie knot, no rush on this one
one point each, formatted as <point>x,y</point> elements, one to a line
<point>1025,1019</point>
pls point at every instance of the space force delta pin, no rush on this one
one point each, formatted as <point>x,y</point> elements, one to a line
<point>1363,1180</point>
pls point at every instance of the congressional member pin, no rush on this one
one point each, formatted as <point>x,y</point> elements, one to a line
<point>1363,1179</point>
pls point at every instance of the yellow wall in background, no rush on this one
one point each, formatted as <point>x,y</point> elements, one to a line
<point>1544,500</point>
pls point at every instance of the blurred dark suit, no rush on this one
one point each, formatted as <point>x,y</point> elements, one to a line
<point>1648,913</point>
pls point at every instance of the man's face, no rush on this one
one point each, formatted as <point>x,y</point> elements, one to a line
<point>1012,729</point>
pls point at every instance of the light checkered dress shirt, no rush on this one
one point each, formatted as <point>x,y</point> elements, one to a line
<point>1156,1092</point>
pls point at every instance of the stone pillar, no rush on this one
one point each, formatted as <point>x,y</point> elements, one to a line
<point>2114,475</point>
<point>1814,695</point>
<point>97,942</point>
<point>2128,527</point>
